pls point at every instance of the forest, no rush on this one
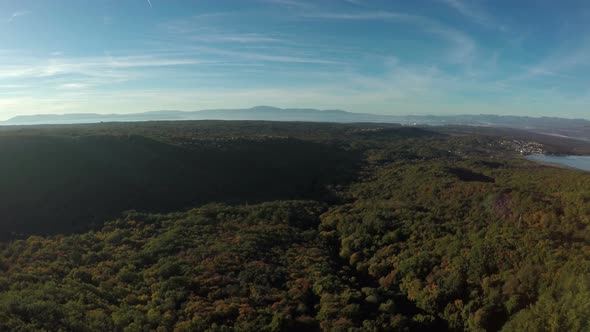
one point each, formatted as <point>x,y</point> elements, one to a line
<point>263,226</point>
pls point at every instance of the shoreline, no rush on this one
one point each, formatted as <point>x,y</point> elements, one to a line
<point>556,163</point>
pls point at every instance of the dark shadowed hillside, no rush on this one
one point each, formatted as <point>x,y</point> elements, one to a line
<point>54,183</point>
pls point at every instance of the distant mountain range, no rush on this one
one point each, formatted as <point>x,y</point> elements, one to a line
<point>261,113</point>
<point>574,128</point>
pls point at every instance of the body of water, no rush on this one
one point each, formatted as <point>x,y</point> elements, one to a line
<point>579,162</point>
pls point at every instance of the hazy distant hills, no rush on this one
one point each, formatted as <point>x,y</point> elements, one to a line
<point>576,128</point>
<point>254,113</point>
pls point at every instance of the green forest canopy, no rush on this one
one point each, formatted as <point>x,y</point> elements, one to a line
<point>422,231</point>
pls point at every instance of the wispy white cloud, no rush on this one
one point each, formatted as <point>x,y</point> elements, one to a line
<point>73,86</point>
<point>147,61</point>
<point>201,23</point>
<point>290,3</point>
<point>265,57</point>
<point>356,2</point>
<point>13,86</point>
<point>475,13</point>
<point>403,89</point>
<point>105,67</point>
<point>268,67</point>
<point>464,46</point>
<point>562,67</point>
<point>364,16</point>
<point>236,38</point>
<point>15,15</point>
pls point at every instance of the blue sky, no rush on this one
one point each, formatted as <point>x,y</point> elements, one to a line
<point>385,57</point>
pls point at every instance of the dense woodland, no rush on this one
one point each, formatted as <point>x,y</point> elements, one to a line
<point>49,175</point>
<point>253,226</point>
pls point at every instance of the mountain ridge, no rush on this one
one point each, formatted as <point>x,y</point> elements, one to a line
<point>573,128</point>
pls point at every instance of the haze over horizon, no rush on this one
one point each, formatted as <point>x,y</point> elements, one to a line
<point>436,57</point>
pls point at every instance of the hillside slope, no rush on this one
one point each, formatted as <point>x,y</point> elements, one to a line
<point>53,183</point>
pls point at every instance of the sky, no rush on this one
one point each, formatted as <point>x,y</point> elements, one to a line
<point>525,57</point>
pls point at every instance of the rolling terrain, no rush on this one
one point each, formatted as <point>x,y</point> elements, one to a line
<point>271,226</point>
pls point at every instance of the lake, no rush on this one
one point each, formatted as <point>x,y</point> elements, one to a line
<point>579,162</point>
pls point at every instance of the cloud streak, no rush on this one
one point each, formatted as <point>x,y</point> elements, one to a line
<point>464,46</point>
<point>474,13</point>
<point>290,3</point>
<point>16,15</point>
<point>243,55</point>
<point>105,67</point>
<point>246,38</point>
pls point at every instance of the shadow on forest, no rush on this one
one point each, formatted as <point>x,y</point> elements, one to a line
<point>53,184</point>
